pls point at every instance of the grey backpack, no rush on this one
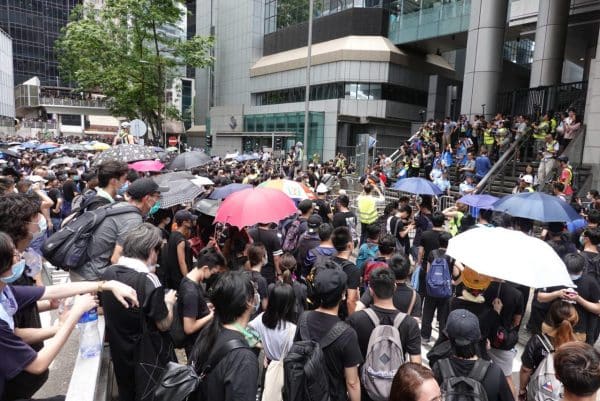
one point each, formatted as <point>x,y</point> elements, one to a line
<point>544,386</point>
<point>384,356</point>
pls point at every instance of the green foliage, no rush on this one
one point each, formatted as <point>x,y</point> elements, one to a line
<point>121,51</point>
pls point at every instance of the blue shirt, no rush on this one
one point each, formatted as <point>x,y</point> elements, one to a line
<point>482,166</point>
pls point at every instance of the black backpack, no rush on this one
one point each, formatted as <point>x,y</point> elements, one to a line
<point>305,376</point>
<point>463,388</point>
<point>68,247</point>
<point>181,382</point>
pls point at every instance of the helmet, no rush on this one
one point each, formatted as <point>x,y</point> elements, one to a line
<point>474,280</point>
<point>125,124</point>
<point>527,178</point>
<point>322,189</point>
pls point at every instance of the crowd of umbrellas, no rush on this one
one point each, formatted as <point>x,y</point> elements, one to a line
<point>497,252</point>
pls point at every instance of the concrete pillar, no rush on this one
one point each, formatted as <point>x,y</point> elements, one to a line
<point>591,152</point>
<point>483,61</point>
<point>550,40</point>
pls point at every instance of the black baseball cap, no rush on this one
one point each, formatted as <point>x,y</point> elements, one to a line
<point>314,222</point>
<point>144,186</point>
<point>305,205</point>
<point>462,327</point>
<point>330,284</point>
<point>185,215</point>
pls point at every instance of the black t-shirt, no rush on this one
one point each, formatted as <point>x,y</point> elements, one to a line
<point>401,298</point>
<point>397,226</point>
<point>430,240</point>
<point>410,335</point>
<point>352,282</point>
<point>534,352</point>
<point>342,353</point>
<point>272,242</point>
<point>344,219</point>
<point>69,191</point>
<point>192,300</point>
<point>235,377</point>
<point>174,275</point>
<point>322,209</point>
<point>260,283</point>
<point>512,301</point>
<point>494,382</point>
<point>55,195</point>
<point>422,224</point>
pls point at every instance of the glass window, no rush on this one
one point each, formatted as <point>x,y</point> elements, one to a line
<point>362,91</point>
<point>375,91</point>
<point>350,92</point>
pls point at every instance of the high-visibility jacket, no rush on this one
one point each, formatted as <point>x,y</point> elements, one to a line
<point>367,209</point>
<point>501,135</point>
<point>488,138</point>
<point>542,130</point>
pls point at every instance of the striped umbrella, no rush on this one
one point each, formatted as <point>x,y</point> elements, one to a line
<point>293,189</point>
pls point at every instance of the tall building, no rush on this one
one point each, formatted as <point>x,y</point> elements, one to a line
<point>381,66</point>
<point>34,26</point>
<point>7,97</point>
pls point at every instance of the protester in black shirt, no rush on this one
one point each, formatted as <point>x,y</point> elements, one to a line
<point>195,311</point>
<point>343,356</point>
<point>342,242</point>
<point>55,194</point>
<point>382,289</point>
<point>464,334</point>
<point>308,240</point>
<point>405,298</point>
<point>235,376</point>
<point>178,258</point>
<point>264,234</point>
<point>400,226</point>
<point>136,362</point>
<point>322,207</point>
<point>430,240</point>
<point>257,256</point>
<point>345,218</point>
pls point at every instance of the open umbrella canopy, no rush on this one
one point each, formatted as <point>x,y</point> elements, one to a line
<point>59,161</point>
<point>208,207</point>
<point>537,206</point>
<point>510,255</point>
<point>417,186</point>
<point>29,145</point>
<point>153,166</point>
<point>189,160</point>
<point>76,147</point>
<point>46,146</point>
<point>180,191</point>
<point>256,205</point>
<point>10,152</point>
<point>126,153</point>
<point>100,146</point>
<point>165,178</point>
<point>225,191</point>
<point>172,149</point>
<point>293,189</point>
<point>202,181</point>
<point>483,201</point>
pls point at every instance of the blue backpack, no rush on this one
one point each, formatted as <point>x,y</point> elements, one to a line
<point>438,281</point>
<point>366,253</point>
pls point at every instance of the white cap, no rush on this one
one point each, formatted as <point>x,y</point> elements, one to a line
<point>35,178</point>
<point>299,144</point>
<point>527,178</point>
<point>322,189</point>
<point>125,124</point>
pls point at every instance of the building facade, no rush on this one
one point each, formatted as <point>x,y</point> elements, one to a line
<point>7,98</point>
<point>382,66</point>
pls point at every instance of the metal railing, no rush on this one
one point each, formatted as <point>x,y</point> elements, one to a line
<point>54,101</point>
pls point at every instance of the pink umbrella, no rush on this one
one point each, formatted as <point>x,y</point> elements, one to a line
<point>255,205</point>
<point>153,166</point>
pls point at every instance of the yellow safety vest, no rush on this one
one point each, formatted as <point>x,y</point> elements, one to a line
<point>488,138</point>
<point>500,135</point>
<point>542,130</point>
<point>550,147</point>
<point>367,209</point>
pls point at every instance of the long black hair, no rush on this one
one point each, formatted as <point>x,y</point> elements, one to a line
<point>230,296</point>
<point>281,306</point>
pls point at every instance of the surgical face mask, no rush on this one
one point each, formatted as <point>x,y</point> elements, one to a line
<point>122,189</point>
<point>155,208</point>
<point>582,240</point>
<point>16,272</point>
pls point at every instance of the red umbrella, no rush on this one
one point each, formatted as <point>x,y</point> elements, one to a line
<point>147,165</point>
<point>252,206</point>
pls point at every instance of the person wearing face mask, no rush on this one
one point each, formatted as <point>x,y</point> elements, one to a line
<point>23,369</point>
<point>127,328</point>
<point>108,237</point>
<point>177,257</point>
<point>257,256</point>
<point>226,343</point>
<point>112,176</point>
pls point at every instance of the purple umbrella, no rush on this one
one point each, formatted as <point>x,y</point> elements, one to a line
<point>224,192</point>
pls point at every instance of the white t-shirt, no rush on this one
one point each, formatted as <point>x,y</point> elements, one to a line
<point>276,342</point>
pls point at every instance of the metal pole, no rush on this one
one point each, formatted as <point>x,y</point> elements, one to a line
<point>307,93</point>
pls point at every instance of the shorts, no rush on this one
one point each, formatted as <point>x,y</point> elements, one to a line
<point>503,359</point>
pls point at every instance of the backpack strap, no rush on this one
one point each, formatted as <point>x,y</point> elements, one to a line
<point>413,300</point>
<point>333,334</point>
<point>221,352</point>
<point>446,369</point>
<point>546,343</point>
<point>303,326</point>
<point>373,316</point>
<point>399,319</point>
<point>479,370</point>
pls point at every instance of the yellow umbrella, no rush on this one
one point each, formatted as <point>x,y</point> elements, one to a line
<point>100,146</point>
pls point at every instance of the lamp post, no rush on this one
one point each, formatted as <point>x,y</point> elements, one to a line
<point>307,93</point>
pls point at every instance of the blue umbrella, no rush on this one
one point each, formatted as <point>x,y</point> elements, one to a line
<point>482,201</point>
<point>418,186</point>
<point>537,206</point>
<point>224,192</point>
<point>29,145</point>
<point>46,146</point>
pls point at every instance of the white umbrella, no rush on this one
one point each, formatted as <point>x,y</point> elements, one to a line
<point>202,181</point>
<point>510,255</point>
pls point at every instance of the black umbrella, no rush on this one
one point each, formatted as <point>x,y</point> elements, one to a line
<point>10,152</point>
<point>126,153</point>
<point>180,191</point>
<point>165,179</point>
<point>189,160</point>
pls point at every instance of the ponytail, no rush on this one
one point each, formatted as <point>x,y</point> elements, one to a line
<point>564,334</point>
<point>286,277</point>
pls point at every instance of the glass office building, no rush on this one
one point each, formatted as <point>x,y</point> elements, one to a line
<point>7,99</point>
<point>34,26</point>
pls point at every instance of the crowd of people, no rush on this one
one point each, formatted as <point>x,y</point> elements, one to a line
<point>335,302</point>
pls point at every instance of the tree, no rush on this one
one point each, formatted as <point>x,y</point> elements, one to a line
<point>121,50</point>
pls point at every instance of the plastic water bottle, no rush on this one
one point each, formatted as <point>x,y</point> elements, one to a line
<point>89,337</point>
